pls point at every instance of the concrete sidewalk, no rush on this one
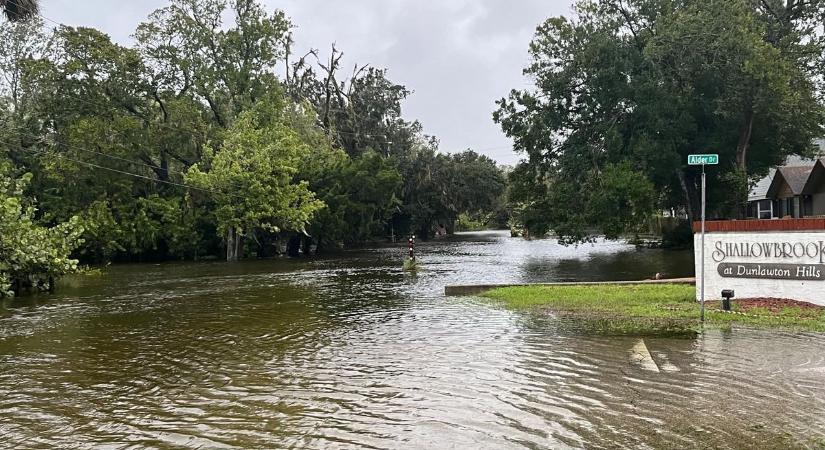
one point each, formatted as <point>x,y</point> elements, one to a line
<point>475,289</point>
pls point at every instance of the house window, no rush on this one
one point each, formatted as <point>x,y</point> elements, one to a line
<point>764,209</point>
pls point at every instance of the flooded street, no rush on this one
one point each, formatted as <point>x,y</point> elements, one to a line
<point>352,352</point>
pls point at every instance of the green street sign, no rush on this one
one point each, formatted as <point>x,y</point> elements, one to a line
<point>703,160</point>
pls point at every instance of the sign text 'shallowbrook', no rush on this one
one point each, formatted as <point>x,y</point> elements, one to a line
<point>814,251</point>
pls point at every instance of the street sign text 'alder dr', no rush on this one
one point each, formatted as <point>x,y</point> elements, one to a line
<point>703,160</point>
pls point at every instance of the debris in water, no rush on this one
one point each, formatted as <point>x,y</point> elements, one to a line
<point>640,356</point>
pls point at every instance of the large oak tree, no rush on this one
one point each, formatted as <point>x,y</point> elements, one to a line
<point>626,89</point>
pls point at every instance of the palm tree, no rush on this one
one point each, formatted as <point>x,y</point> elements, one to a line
<point>19,10</point>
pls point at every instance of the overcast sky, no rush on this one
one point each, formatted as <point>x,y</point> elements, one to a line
<point>458,56</point>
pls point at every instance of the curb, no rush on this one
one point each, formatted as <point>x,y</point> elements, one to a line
<point>475,289</point>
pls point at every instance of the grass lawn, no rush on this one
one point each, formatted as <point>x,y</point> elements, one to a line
<point>650,307</point>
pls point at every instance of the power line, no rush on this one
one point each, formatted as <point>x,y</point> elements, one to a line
<point>126,160</point>
<point>107,155</point>
<point>123,172</point>
<point>35,11</point>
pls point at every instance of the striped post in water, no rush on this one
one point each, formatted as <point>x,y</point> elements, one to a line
<point>412,248</point>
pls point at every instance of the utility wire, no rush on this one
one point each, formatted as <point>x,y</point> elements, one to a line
<point>123,172</point>
<point>106,155</point>
<point>37,12</point>
<point>118,158</point>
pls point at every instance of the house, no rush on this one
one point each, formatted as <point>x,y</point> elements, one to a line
<point>814,189</point>
<point>759,205</point>
<point>764,206</point>
<point>786,192</point>
<point>788,197</point>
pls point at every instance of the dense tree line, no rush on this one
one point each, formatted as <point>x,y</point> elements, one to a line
<point>626,89</point>
<point>189,143</point>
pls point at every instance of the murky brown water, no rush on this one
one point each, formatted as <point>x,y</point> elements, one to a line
<point>351,352</point>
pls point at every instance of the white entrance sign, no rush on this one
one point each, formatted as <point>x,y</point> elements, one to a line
<point>772,264</point>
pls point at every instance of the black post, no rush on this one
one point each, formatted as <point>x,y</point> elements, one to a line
<point>727,294</point>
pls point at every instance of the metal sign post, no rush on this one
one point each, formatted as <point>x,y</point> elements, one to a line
<point>703,160</point>
<point>704,186</point>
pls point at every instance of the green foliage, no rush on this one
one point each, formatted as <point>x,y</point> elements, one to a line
<point>102,236</point>
<point>626,90</point>
<point>736,184</point>
<point>678,237</point>
<point>187,141</point>
<point>438,188</point>
<point>250,179</point>
<point>31,255</point>
<point>360,194</point>
<point>410,265</point>
<point>467,223</point>
<point>620,199</point>
<point>227,66</point>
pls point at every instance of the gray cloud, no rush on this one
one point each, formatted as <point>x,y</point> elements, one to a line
<point>458,56</point>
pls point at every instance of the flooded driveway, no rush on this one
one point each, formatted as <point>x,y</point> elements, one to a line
<point>352,352</point>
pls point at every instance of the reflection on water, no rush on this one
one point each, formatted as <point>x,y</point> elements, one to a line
<point>351,351</point>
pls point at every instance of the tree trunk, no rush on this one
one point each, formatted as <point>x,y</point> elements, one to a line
<point>423,232</point>
<point>742,148</point>
<point>164,166</point>
<point>293,248</point>
<point>744,142</point>
<point>449,225</point>
<point>690,194</point>
<point>307,246</point>
<point>232,245</point>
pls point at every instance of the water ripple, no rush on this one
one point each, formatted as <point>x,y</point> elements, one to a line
<point>353,352</point>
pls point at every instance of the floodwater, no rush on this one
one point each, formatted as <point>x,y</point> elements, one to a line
<point>351,352</point>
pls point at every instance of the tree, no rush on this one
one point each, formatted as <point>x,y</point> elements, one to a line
<point>88,107</point>
<point>439,187</point>
<point>360,194</point>
<point>19,42</point>
<point>225,66</point>
<point>149,111</point>
<point>20,10</point>
<point>426,192</point>
<point>31,255</point>
<point>250,179</point>
<point>627,89</point>
<point>361,112</point>
<point>479,184</point>
<point>187,143</point>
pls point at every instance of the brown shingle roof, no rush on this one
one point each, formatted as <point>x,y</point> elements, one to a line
<point>816,179</point>
<point>796,177</point>
<point>760,189</point>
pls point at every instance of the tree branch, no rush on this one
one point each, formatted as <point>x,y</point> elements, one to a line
<point>162,106</point>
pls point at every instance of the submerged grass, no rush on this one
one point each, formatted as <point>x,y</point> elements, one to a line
<point>649,307</point>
